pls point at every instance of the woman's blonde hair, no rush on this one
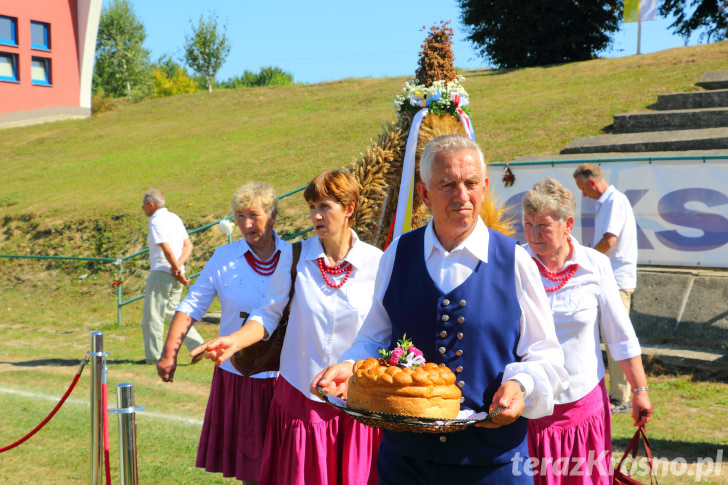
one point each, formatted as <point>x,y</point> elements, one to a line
<point>549,195</point>
<point>254,193</point>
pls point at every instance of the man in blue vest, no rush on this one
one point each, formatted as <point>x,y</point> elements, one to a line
<point>472,299</point>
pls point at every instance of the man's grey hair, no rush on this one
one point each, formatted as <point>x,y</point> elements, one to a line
<point>587,171</point>
<point>155,196</point>
<point>446,143</point>
<point>549,195</point>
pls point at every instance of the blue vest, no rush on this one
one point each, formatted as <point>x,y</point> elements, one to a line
<point>474,330</point>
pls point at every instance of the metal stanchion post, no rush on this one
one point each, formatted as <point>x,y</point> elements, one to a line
<point>96,360</point>
<point>127,432</point>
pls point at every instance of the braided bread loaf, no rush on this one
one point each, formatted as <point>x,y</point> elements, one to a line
<point>426,391</point>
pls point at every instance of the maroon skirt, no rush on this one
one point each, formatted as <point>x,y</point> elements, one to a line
<point>312,443</point>
<point>233,432</point>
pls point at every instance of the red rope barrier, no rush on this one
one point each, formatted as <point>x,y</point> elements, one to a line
<point>105,405</point>
<point>48,418</point>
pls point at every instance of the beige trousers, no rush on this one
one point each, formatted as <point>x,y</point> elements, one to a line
<point>619,389</point>
<point>162,294</point>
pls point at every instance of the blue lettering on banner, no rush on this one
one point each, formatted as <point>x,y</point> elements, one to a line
<point>634,197</point>
<point>715,227</point>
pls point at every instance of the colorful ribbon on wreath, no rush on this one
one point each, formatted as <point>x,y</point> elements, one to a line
<point>403,216</point>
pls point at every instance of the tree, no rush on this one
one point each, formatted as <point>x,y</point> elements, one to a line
<point>709,17</point>
<point>122,64</point>
<point>520,33</point>
<point>206,49</point>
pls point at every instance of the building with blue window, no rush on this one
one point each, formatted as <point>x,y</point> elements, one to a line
<point>47,52</point>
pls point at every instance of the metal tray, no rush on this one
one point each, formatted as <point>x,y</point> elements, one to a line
<point>397,422</point>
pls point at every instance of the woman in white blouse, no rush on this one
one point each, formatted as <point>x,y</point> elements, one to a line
<point>233,432</point>
<point>584,298</point>
<point>308,441</point>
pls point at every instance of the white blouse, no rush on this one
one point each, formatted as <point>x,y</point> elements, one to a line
<point>228,276</point>
<point>323,321</point>
<point>589,301</point>
<point>541,369</point>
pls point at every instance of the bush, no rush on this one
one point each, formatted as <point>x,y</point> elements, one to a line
<point>101,103</point>
<point>268,76</point>
<point>180,83</point>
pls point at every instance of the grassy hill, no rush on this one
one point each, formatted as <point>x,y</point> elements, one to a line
<point>198,148</point>
<point>75,187</point>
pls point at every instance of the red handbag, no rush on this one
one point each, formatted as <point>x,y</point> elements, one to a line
<point>621,478</point>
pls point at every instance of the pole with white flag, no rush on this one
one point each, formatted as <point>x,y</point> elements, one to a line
<point>639,11</point>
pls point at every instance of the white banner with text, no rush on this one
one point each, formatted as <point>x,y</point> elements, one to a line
<point>681,206</point>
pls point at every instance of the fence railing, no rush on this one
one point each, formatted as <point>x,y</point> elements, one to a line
<point>119,262</point>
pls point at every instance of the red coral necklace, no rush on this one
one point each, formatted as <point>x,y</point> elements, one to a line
<point>263,268</point>
<point>563,276</point>
<point>344,267</point>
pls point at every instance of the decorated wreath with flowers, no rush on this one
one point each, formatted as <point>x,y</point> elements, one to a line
<point>439,97</point>
<point>403,355</point>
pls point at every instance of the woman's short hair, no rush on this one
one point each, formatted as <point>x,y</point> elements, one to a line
<point>446,143</point>
<point>253,193</point>
<point>549,195</point>
<point>336,184</point>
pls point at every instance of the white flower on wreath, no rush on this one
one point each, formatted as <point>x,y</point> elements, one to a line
<point>440,92</point>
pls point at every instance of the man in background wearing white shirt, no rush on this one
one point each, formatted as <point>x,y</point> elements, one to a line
<point>169,248</point>
<point>472,299</point>
<point>615,234</point>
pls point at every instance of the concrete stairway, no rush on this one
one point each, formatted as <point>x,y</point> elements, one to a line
<point>677,122</point>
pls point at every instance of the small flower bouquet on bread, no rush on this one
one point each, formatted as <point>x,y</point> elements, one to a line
<point>403,355</point>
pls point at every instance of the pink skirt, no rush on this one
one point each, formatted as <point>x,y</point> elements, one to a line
<point>574,444</point>
<point>310,442</point>
<point>233,431</point>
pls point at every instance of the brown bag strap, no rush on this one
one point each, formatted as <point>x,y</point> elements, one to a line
<point>296,248</point>
<point>634,446</point>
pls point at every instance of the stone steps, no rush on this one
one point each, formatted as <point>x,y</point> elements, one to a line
<point>693,100</point>
<point>677,122</point>
<point>655,141</point>
<point>671,120</point>
<point>714,80</point>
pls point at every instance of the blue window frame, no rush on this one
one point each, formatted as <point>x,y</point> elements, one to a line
<point>40,35</point>
<point>8,30</point>
<point>8,67</point>
<point>40,71</point>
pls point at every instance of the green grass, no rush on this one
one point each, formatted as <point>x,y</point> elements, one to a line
<point>74,188</point>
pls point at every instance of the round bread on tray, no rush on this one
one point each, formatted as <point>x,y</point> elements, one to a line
<point>426,391</point>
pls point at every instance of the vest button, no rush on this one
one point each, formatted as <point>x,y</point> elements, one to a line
<point>458,353</point>
<point>445,318</point>
<point>462,303</point>
<point>461,384</point>
<point>461,319</point>
<point>460,335</point>
<point>443,438</point>
<point>459,368</point>
<point>442,350</point>
<point>443,334</point>
<point>445,302</point>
